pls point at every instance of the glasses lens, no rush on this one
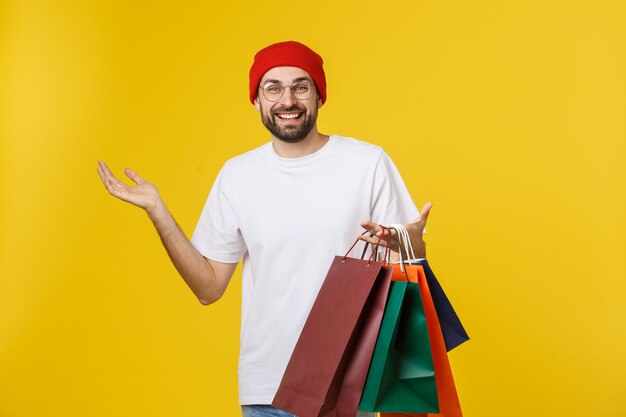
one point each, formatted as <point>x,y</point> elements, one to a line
<point>273,92</point>
<point>301,91</point>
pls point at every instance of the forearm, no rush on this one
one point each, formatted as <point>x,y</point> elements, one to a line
<point>190,264</point>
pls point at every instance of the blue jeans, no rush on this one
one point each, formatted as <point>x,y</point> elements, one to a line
<point>269,411</point>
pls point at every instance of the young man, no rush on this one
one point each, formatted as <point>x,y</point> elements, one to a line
<point>285,208</point>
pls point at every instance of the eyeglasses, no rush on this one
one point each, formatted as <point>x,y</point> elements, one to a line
<point>300,90</point>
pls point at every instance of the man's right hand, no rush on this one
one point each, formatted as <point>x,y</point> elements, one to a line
<point>144,194</point>
<point>207,279</point>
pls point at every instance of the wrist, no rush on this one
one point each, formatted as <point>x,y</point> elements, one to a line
<point>420,249</point>
<point>157,211</point>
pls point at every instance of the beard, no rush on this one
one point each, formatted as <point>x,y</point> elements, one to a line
<point>290,133</point>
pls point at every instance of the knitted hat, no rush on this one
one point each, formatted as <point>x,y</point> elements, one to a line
<point>287,54</point>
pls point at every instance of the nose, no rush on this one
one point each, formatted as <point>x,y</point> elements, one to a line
<point>288,99</point>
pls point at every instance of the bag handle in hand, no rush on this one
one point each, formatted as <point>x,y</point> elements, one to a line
<point>404,241</point>
<point>364,249</point>
<point>398,229</point>
<point>385,230</point>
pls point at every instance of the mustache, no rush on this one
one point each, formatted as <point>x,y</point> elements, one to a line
<point>295,107</point>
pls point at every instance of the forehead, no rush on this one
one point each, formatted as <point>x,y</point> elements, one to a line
<point>285,75</point>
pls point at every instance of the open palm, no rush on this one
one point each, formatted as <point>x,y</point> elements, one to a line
<point>143,194</point>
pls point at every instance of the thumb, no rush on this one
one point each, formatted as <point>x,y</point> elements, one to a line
<point>423,214</point>
<point>134,176</point>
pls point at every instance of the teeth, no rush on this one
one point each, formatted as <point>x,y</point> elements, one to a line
<point>289,116</point>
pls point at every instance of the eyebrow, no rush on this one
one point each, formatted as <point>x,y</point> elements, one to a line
<point>295,80</point>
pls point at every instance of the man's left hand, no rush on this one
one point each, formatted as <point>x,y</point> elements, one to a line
<point>415,229</point>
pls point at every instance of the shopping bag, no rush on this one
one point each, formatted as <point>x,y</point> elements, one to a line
<point>401,377</point>
<point>361,348</point>
<point>453,331</point>
<point>327,369</point>
<point>449,405</point>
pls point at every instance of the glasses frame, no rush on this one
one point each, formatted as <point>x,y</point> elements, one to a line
<point>290,87</point>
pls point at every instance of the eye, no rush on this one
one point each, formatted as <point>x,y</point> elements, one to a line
<point>301,88</point>
<point>273,89</point>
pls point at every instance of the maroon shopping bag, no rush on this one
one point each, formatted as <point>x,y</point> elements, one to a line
<point>360,350</point>
<point>326,373</point>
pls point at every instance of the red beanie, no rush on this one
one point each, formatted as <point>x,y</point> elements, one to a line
<point>287,54</point>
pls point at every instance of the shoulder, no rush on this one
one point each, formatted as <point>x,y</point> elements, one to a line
<point>357,148</point>
<point>247,160</point>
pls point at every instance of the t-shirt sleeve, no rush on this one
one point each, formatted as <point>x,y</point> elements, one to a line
<point>217,235</point>
<point>392,202</point>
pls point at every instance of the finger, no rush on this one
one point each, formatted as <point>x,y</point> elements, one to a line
<point>374,240</point>
<point>112,183</point>
<point>114,186</point>
<point>112,179</point>
<point>117,189</point>
<point>376,229</point>
<point>134,176</point>
<point>371,238</point>
<point>109,178</point>
<point>383,243</point>
<point>385,236</point>
<point>371,226</point>
<point>426,211</point>
<point>387,232</point>
<point>423,217</point>
<point>105,169</point>
<point>104,179</point>
<point>101,175</point>
<point>367,238</point>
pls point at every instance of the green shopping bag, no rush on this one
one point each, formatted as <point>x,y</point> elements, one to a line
<point>401,377</point>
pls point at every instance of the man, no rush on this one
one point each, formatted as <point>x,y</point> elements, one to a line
<point>285,208</point>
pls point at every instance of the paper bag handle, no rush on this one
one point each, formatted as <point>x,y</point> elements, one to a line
<point>374,251</point>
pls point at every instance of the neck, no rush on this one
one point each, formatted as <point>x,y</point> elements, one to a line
<point>311,144</point>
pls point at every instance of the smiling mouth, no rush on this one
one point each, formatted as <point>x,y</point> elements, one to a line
<point>289,116</point>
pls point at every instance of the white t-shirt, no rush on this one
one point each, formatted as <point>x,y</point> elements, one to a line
<point>288,218</point>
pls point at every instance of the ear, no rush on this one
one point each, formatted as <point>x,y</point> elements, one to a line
<point>319,101</point>
<point>257,104</point>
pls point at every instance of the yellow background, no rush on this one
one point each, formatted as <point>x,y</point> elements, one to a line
<point>509,116</point>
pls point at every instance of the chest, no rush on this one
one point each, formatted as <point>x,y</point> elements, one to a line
<point>284,210</point>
